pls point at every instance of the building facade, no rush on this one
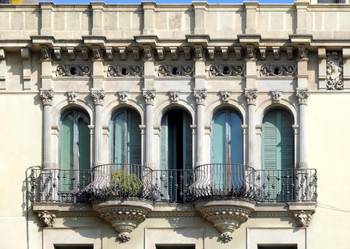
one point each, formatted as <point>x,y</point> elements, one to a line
<point>185,126</point>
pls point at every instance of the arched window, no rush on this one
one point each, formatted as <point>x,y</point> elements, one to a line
<point>278,153</point>
<point>227,149</point>
<point>74,150</point>
<point>175,152</point>
<point>126,137</point>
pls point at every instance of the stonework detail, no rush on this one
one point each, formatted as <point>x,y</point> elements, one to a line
<point>302,95</point>
<point>276,96</point>
<point>302,217</point>
<point>251,96</point>
<point>73,70</point>
<point>226,70</point>
<point>273,70</point>
<point>174,70</point>
<point>200,96</point>
<point>125,71</point>
<point>45,53</point>
<point>46,96</point>
<point>97,96</point>
<point>149,96</point>
<point>123,96</point>
<point>334,71</point>
<point>71,97</point>
<point>173,96</point>
<point>47,218</point>
<point>224,96</point>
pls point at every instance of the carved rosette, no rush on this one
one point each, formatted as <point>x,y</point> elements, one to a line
<point>149,96</point>
<point>97,96</point>
<point>123,97</point>
<point>123,216</point>
<point>200,96</point>
<point>225,215</point>
<point>46,96</point>
<point>251,96</point>
<point>302,95</point>
<point>173,96</point>
<point>334,70</point>
<point>71,97</point>
<point>276,96</point>
<point>47,218</point>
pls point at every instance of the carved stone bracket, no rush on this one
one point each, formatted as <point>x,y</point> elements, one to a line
<point>302,95</point>
<point>251,96</point>
<point>124,216</point>
<point>71,97</point>
<point>224,96</point>
<point>46,96</point>
<point>276,96</point>
<point>149,96</point>
<point>123,96</point>
<point>334,76</point>
<point>173,70</point>
<point>225,215</point>
<point>200,96</point>
<point>97,96</point>
<point>173,96</point>
<point>226,70</point>
<point>302,217</point>
<point>47,218</point>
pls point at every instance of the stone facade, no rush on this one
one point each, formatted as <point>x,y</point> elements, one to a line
<point>152,58</point>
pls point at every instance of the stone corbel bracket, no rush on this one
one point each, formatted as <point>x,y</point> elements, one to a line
<point>225,215</point>
<point>124,216</point>
<point>302,213</point>
<point>47,218</point>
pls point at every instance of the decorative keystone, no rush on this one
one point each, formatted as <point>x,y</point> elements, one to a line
<point>123,96</point>
<point>71,97</point>
<point>224,96</point>
<point>173,96</point>
<point>47,218</point>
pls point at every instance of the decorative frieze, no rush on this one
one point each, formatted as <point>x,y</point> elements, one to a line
<point>173,96</point>
<point>73,70</point>
<point>175,70</point>
<point>46,96</point>
<point>334,72</point>
<point>71,97</point>
<point>97,96</point>
<point>125,71</point>
<point>217,70</point>
<point>277,70</point>
<point>47,218</point>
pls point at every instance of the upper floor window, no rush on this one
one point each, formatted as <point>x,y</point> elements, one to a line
<point>74,149</point>
<point>126,137</point>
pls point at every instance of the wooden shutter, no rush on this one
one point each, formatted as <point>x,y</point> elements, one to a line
<point>134,138</point>
<point>66,149</point>
<point>84,151</point>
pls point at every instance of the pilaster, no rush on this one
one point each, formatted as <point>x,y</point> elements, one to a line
<point>148,17</point>
<point>97,18</point>
<point>26,67</point>
<point>97,68</point>
<point>250,11</point>
<point>301,8</point>
<point>46,18</point>
<point>200,9</point>
<point>303,73</point>
<point>251,72</point>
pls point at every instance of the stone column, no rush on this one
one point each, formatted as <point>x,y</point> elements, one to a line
<point>98,99</point>
<point>200,96</point>
<point>251,96</point>
<point>302,95</point>
<point>149,96</point>
<point>46,97</point>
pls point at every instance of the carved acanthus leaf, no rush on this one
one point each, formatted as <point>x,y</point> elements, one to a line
<point>200,95</point>
<point>149,96</point>
<point>251,96</point>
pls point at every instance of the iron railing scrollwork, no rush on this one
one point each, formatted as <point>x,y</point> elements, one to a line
<point>209,181</point>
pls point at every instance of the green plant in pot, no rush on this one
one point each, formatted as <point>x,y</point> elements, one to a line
<point>128,185</point>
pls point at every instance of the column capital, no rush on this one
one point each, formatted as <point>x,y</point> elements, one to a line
<point>251,96</point>
<point>149,96</point>
<point>302,95</point>
<point>97,96</point>
<point>46,96</point>
<point>200,95</point>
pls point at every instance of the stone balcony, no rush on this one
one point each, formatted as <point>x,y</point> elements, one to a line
<point>125,195</point>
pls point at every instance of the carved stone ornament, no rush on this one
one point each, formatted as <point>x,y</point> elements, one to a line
<point>125,71</point>
<point>172,70</point>
<point>123,96</point>
<point>173,96</point>
<point>45,53</point>
<point>251,52</point>
<point>97,53</point>
<point>226,216</point>
<point>73,70</point>
<point>302,52</point>
<point>302,217</point>
<point>84,53</point>
<point>225,70</point>
<point>276,96</point>
<point>148,53</point>
<point>302,95</point>
<point>198,52</point>
<point>124,216</point>
<point>273,70</point>
<point>224,96</point>
<point>334,76</point>
<point>72,97</point>
<point>200,96</point>
<point>149,96</point>
<point>46,96</point>
<point>251,96</point>
<point>57,52</point>
<point>97,96</point>
<point>47,218</point>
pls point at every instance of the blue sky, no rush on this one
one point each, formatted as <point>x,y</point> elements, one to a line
<point>167,1</point>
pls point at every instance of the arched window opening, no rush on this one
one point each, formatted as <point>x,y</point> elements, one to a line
<point>278,155</point>
<point>227,168</point>
<point>175,154</point>
<point>74,151</point>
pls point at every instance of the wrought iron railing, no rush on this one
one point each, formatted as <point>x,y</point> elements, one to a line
<point>209,181</point>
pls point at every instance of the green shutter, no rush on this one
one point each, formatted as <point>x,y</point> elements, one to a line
<point>134,138</point>
<point>187,142</point>
<point>84,152</point>
<point>66,149</point>
<point>164,159</point>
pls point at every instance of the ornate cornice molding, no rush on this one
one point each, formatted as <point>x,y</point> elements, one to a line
<point>46,96</point>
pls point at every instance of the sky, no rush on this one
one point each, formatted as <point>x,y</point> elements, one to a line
<point>168,1</point>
